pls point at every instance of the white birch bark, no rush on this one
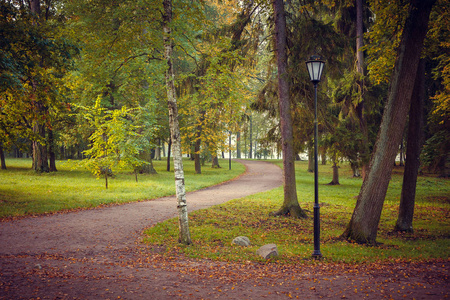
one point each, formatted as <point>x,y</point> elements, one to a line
<point>185,237</point>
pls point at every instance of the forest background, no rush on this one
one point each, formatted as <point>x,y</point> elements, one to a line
<point>85,80</point>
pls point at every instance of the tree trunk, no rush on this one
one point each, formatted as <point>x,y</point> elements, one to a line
<point>158,151</point>
<point>40,160</point>
<point>355,169</point>
<point>310,159</point>
<point>365,155</point>
<point>359,37</point>
<point>51,151</point>
<point>215,160</point>
<point>35,7</point>
<point>146,168</point>
<point>245,144</point>
<point>169,149</point>
<point>198,141</point>
<point>335,180</point>
<point>238,144</point>
<point>324,157</point>
<point>366,215</point>
<point>250,155</point>
<point>185,237</point>
<point>290,204</point>
<point>2,157</point>
<point>402,150</point>
<point>413,149</point>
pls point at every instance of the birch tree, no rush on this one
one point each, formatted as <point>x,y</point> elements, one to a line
<point>185,237</point>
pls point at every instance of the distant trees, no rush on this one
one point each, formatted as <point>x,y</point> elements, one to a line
<point>215,91</point>
<point>34,60</point>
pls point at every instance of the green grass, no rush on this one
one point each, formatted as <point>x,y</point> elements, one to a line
<point>213,229</point>
<point>25,192</point>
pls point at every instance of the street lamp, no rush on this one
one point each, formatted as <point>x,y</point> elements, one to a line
<point>229,156</point>
<point>315,67</point>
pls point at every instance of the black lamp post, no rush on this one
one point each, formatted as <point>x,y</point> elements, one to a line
<point>315,67</point>
<point>229,157</point>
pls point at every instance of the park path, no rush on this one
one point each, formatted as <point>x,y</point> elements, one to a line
<point>96,254</point>
<point>93,231</point>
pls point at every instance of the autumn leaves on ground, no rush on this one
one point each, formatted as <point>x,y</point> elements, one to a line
<point>213,230</point>
<point>411,265</point>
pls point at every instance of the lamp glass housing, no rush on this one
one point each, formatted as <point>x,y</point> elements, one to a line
<point>315,67</point>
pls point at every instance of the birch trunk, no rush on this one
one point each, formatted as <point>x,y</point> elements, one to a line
<point>185,237</point>
<point>363,225</point>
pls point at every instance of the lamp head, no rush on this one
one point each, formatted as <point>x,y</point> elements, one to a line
<point>315,66</point>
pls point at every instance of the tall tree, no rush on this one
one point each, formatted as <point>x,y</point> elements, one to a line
<point>363,225</point>
<point>185,237</point>
<point>40,160</point>
<point>290,204</point>
<point>360,108</point>
<point>413,148</point>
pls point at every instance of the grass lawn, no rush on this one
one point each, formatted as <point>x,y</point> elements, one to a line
<point>213,229</point>
<point>25,192</point>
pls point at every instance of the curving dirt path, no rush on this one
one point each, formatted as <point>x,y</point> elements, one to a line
<point>95,254</point>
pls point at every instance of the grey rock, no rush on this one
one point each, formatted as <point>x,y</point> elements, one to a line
<point>241,241</point>
<point>268,251</point>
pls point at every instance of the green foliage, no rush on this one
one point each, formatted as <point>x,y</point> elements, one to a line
<point>384,38</point>
<point>213,229</point>
<point>214,85</point>
<point>115,142</point>
<point>309,32</point>
<point>34,59</point>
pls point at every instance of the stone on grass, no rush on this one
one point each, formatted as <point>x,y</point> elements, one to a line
<point>268,251</point>
<point>241,241</point>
